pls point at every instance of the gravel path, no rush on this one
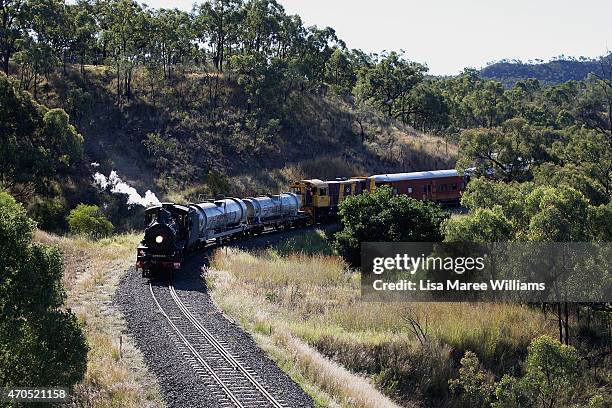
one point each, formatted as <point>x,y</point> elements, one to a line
<point>180,385</point>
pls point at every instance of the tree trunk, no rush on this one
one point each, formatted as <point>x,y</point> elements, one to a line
<point>559,321</point>
<point>5,61</point>
<point>36,84</point>
<point>566,324</point>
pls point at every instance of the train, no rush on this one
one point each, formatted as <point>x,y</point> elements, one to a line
<point>173,229</point>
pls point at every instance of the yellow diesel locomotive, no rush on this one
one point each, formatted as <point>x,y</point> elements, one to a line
<point>321,198</point>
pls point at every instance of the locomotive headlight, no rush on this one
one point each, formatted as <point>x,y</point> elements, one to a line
<point>159,239</point>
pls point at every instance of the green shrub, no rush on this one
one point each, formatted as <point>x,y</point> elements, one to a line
<point>472,385</point>
<point>383,217</point>
<point>49,214</point>
<point>550,377</point>
<point>89,220</point>
<point>41,343</point>
<point>551,370</point>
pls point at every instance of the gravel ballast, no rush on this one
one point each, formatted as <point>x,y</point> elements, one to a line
<point>166,359</point>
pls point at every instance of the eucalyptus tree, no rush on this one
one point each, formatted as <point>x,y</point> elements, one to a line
<point>216,23</point>
<point>85,32</point>
<point>488,104</point>
<point>594,109</point>
<point>51,27</point>
<point>173,39</point>
<point>508,152</point>
<point>127,36</point>
<point>12,21</point>
<point>388,84</point>
<point>260,28</point>
<point>339,71</point>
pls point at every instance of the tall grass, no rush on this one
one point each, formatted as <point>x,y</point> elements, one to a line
<point>316,300</point>
<point>116,375</point>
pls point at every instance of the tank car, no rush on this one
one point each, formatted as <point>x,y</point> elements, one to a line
<point>264,208</point>
<point>212,219</point>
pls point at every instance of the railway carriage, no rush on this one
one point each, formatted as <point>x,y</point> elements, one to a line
<point>441,186</point>
<point>322,198</point>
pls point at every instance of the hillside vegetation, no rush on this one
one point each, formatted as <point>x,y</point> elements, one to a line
<point>238,97</point>
<point>234,97</point>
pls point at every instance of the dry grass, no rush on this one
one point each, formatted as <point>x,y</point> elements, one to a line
<point>308,302</point>
<point>116,375</point>
<point>350,389</point>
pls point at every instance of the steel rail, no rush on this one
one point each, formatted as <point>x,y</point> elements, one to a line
<point>197,355</point>
<point>222,350</point>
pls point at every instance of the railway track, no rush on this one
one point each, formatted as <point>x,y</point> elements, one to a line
<point>210,357</point>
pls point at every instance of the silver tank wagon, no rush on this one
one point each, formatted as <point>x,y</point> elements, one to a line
<point>271,207</point>
<point>218,215</point>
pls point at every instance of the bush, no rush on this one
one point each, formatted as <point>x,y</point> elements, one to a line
<point>549,380</point>
<point>41,343</point>
<point>89,220</point>
<point>49,213</point>
<point>473,386</point>
<point>551,370</point>
<point>383,217</point>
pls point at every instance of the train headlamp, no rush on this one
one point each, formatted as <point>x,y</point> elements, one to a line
<point>159,239</point>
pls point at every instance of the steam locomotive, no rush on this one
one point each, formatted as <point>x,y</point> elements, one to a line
<point>174,229</point>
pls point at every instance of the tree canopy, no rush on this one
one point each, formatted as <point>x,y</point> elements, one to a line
<point>381,216</point>
<point>41,343</point>
<point>37,144</point>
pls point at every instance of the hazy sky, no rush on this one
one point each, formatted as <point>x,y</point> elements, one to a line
<point>450,35</point>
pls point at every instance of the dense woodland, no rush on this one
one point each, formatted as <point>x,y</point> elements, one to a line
<point>558,70</point>
<point>192,102</point>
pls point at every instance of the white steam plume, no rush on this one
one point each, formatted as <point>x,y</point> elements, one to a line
<point>119,186</point>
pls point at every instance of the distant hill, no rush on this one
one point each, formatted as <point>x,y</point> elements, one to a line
<point>552,72</point>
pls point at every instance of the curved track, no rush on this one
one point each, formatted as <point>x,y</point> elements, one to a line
<point>210,357</point>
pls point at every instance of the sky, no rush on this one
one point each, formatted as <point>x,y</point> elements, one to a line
<point>450,35</point>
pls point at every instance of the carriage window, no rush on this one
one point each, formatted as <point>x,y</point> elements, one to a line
<point>322,191</point>
<point>409,190</point>
<point>429,188</point>
<point>395,190</point>
<point>454,186</point>
<point>424,189</point>
<point>296,190</point>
